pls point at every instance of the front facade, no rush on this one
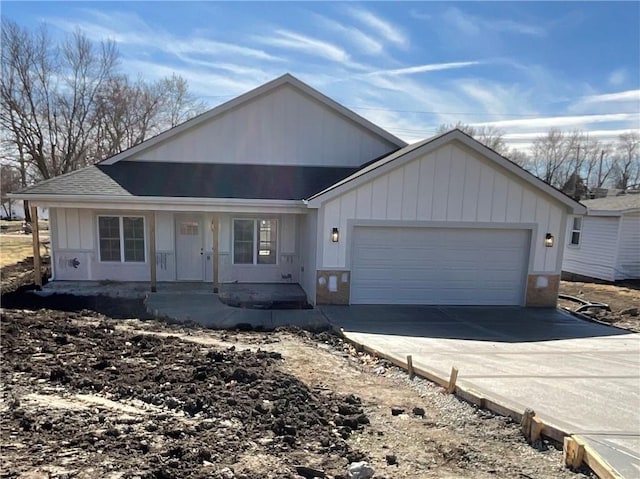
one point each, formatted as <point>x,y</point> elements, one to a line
<point>284,185</point>
<point>605,242</point>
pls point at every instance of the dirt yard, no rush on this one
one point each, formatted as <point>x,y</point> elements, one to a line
<point>623,299</point>
<point>83,395</point>
<point>87,396</point>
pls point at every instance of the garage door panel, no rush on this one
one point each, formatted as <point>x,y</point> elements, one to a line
<point>438,266</point>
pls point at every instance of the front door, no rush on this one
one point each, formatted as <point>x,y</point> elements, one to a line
<point>189,248</point>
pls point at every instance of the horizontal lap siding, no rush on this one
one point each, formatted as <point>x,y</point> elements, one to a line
<point>629,250</point>
<point>449,184</point>
<point>596,254</point>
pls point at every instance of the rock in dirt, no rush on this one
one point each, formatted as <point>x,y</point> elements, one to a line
<point>391,459</point>
<point>396,411</point>
<point>360,470</point>
<point>418,411</point>
<point>630,312</point>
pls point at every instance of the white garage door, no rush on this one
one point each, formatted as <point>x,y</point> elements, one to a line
<point>392,265</point>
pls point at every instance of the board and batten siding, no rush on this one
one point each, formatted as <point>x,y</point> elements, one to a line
<point>282,127</point>
<point>595,256</point>
<point>450,184</point>
<point>628,265</point>
<point>75,248</point>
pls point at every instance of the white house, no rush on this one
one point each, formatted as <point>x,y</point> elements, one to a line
<point>605,242</point>
<point>283,184</point>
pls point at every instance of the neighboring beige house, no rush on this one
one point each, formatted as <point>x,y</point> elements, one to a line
<point>605,242</point>
<point>283,184</point>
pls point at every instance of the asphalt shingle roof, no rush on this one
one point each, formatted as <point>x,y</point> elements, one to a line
<point>614,203</point>
<point>194,180</point>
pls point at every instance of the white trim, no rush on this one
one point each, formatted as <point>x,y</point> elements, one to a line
<point>286,79</point>
<point>217,205</point>
<point>412,152</point>
<point>571,244</point>
<point>121,231</point>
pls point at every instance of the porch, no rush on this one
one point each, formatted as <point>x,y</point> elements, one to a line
<point>196,302</point>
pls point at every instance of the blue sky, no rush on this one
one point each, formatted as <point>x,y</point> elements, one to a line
<point>407,66</point>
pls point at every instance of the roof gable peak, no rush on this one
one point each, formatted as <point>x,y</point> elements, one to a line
<point>246,98</point>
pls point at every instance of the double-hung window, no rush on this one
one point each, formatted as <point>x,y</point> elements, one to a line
<point>121,239</point>
<point>254,241</point>
<point>576,230</point>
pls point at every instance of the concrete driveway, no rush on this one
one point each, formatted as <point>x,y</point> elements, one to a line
<point>580,377</point>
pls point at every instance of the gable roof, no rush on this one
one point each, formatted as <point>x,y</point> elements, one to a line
<point>613,205</point>
<point>286,79</point>
<point>411,152</point>
<point>190,180</point>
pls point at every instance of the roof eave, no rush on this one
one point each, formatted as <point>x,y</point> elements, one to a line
<point>77,200</point>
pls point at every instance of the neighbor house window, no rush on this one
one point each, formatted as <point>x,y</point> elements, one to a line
<point>121,238</point>
<point>576,228</point>
<point>254,241</point>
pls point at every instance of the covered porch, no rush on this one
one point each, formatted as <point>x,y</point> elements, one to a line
<point>203,248</point>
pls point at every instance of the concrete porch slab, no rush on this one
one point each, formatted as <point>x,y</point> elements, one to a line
<point>208,311</point>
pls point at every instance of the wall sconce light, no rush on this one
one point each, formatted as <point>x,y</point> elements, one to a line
<point>335,235</point>
<point>548,240</point>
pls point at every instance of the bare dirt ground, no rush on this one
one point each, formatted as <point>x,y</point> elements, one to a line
<point>624,300</point>
<point>87,396</point>
<point>83,395</point>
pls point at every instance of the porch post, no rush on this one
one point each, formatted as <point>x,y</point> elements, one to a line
<point>152,250</point>
<point>35,235</point>
<point>214,228</point>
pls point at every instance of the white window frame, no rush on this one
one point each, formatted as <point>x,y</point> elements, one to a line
<point>121,231</point>
<point>256,241</point>
<point>578,230</point>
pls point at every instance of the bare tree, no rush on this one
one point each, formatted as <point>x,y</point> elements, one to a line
<point>179,104</point>
<point>131,112</point>
<point>49,95</point>
<point>489,136</point>
<point>66,106</point>
<point>626,167</point>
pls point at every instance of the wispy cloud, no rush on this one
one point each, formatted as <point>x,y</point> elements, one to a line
<point>432,67</point>
<point>361,40</point>
<point>311,46</point>
<point>577,121</point>
<point>618,77</point>
<point>390,32</point>
<point>203,46</point>
<point>469,24</point>
<point>629,95</point>
<point>131,30</point>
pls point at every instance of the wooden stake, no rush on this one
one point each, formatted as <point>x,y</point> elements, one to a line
<point>573,452</point>
<point>35,235</point>
<point>525,422</point>
<point>537,426</point>
<point>451,387</point>
<point>152,251</point>
<point>412,373</point>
